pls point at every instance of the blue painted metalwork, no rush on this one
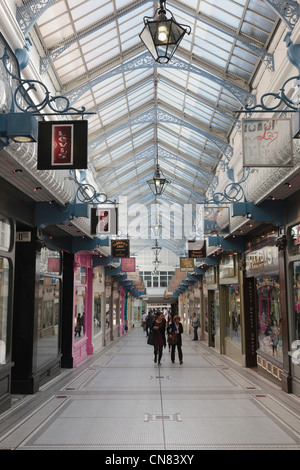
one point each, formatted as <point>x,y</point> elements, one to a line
<point>281,98</point>
<point>103,260</point>
<point>59,105</point>
<point>288,11</point>
<point>233,192</point>
<point>267,211</point>
<point>146,61</point>
<point>208,261</point>
<point>228,244</point>
<point>87,193</point>
<point>53,214</point>
<point>159,115</point>
<point>84,244</point>
<point>27,15</point>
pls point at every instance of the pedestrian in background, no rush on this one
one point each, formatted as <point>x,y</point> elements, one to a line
<point>178,329</point>
<point>159,329</point>
<point>196,324</point>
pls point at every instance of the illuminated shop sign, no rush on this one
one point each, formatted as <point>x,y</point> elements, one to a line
<point>264,258</point>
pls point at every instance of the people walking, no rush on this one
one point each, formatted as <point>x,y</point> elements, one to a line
<point>178,329</point>
<point>144,316</point>
<point>159,329</point>
<point>149,321</point>
<point>196,324</point>
<point>169,325</point>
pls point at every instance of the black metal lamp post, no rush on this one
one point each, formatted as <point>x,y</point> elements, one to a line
<point>158,183</point>
<point>161,35</point>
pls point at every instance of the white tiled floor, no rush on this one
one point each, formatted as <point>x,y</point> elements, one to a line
<point>119,399</point>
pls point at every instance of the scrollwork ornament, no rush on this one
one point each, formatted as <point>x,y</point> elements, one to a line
<point>59,105</point>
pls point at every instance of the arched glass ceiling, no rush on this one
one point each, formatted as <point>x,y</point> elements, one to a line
<point>183,113</point>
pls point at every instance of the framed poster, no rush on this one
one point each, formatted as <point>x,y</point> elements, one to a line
<point>104,221</point>
<point>120,248</point>
<point>267,142</point>
<point>216,220</point>
<point>186,264</point>
<point>197,249</point>
<point>62,145</point>
<point>128,265</point>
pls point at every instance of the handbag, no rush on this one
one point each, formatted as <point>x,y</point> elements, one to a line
<point>172,338</point>
<point>151,338</point>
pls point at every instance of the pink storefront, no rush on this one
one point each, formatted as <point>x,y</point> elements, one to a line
<point>82,307</point>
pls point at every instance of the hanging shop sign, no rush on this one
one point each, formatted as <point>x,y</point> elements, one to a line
<point>267,142</point>
<point>216,220</point>
<point>227,267</point>
<point>186,264</point>
<point>62,145</point>
<point>266,258</point>
<point>197,249</point>
<point>128,265</point>
<point>210,275</point>
<point>120,248</point>
<point>104,221</point>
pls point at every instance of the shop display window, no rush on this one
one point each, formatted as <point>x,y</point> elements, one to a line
<point>48,298</point>
<point>4,296</point>
<point>217,313</point>
<point>5,234</point>
<point>97,313</point>
<point>79,327</point>
<point>269,316</point>
<point>233,316</point>
<point>296,300</point>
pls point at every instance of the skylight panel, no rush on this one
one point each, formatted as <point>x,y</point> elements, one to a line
<point>89,13</point>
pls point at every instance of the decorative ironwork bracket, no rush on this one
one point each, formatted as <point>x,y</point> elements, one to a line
<point>59,105</point>
<point>281,98</point>
<point>86,193</point>
<point>233,192</point>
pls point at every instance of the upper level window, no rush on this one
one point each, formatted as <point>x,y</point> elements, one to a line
<point>5,234</point>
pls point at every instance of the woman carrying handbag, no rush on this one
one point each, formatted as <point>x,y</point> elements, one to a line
<point>177,329</point>
<point>159,329</point>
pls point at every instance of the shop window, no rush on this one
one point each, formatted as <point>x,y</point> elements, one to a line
<point>233,316</point>
<point>79,312</point>
<point>97,313</point>
<point>269,316</point>
<point>5,234</point>
<point>48,298</point>
<point>4,294</point>
<point>217,312</point>
<point>296,300</point>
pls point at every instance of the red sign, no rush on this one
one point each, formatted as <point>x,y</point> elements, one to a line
<point>128,265</point>
<point>62,144</point>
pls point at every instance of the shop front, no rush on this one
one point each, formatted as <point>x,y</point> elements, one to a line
<point>212,308</point>
<point>265,277</point>
<point>230,323</point>
<point>7,232</point>
<point>83,322</point>
<point>293,291</point>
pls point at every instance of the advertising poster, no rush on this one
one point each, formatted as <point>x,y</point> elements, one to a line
<point>267,142</point>
<point>62,145</point>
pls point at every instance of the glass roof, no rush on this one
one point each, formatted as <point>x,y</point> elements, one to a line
<point>92,50</point>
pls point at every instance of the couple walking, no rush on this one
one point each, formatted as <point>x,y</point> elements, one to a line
<point>158,331</point>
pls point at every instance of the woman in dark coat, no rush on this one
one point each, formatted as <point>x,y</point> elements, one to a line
<point>159,329</point>
<point>178,329</point>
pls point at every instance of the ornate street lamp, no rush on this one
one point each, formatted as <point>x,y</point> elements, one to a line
<point>161,35</point>
<point>156,249</point>
<point>158,183</point>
